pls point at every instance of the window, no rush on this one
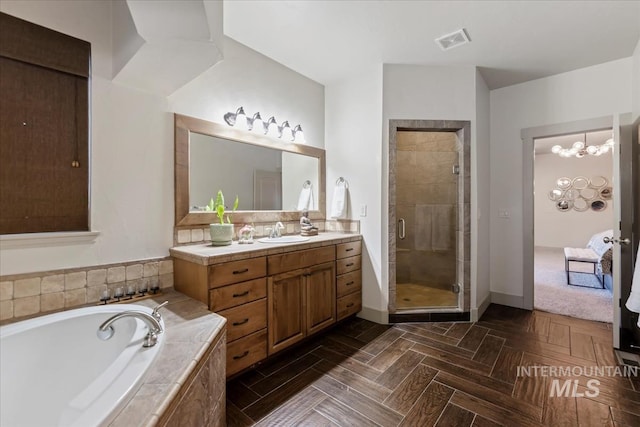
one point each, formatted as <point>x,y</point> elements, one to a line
<point>44,129</point>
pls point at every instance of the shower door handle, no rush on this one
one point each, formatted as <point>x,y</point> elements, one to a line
<point>402,232</point>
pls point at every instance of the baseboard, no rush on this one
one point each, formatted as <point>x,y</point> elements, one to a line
<point>476,313</point>
<point>508,300</point>
<point>373,315</point>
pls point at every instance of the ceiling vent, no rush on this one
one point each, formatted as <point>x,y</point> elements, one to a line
<point>451,40</point>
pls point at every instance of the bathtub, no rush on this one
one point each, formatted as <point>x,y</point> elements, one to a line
<point>55,371</point>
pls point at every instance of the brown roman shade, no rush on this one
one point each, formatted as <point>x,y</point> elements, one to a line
<point>44,129</point>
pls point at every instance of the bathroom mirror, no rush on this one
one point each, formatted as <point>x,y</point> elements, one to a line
<point>268,175</point>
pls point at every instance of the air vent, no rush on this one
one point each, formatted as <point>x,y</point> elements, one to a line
<point>451,40</point>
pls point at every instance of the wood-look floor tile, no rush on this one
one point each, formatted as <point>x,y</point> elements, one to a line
<point>250,377</point>
<point>372,333</point>
<point>559,410</point>
<point>625,418</point>
<point>455,416</point>
<point>614,398</point>
<point>582,346</point>
<point>559,334</point>
<point>605,356</point>
<point>237,418</point>
<point>592,413</point>
<point>458,330</point>
<point>531,389</point>
<point>341,414</point>
<point>273,400</point>
<point>408,392</point>
<point>451,358</point>
<point>284,374</point>
<point>469,375</point>
<point>376,346</point>
<point>453,350</point>
<point>390,354</point>
<point>480,421</point>
<point>494,413</point>
<point>397,372</point>
<point>353,380</point>
<point>540,325</point>
<point>489,350</point>
<point>361,403</point>
<point>348,346</point>
<point>294,409</point>
<point>472,339</point>
<point>347,363</point>
<point>240,395</point>
<point>429,406</point>
<point>281,360</point>
<point>355,327</point>
<point>314,419</point>
<point>503,400</point>
<point>426,332</point>
<point>536,347</point>
<point>506,366</point>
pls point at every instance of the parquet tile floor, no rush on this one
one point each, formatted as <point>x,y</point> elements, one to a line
<point>438,374</point>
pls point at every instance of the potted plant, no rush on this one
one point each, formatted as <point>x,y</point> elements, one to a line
<point>222,233</point>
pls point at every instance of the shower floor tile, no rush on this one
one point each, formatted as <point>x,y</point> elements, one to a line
<point>411,295</point>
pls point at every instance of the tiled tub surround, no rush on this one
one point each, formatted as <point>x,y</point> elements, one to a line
<point>185,385</point>
<point>189,235</point>
<point>42,292</point>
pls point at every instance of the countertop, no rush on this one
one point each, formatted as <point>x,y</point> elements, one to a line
<point>189,331</point>
<point>206,254</point>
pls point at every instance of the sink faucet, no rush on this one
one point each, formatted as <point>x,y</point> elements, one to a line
<point>153,322</point>
<point>275,231</point>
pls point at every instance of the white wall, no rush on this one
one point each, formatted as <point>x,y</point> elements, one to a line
<point>577,95</point>
<point>554,228</point>
<point>635,73</point>
<point>132,200</point>
<point>353,143</point>
<point>296,169</point>
<point>480,198</point>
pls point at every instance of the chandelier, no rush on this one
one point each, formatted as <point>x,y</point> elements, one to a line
<point>580,149</point>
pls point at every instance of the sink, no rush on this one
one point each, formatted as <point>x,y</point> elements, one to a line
<point>284,239</point>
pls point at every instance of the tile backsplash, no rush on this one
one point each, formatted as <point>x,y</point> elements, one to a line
<point>32,293</point>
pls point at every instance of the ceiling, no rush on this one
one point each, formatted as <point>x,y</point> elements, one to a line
<point>543,145</point>
<point>511,41</point>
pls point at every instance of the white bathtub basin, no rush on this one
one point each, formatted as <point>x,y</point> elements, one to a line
<point>56,372</point>
<point>284,239</point>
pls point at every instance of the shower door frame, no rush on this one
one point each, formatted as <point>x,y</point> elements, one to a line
<point>462,128</point>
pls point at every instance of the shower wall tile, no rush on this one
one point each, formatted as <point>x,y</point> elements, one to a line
<point>53,283</point>
<point>150,269</point>
<point>75,280</point>
<point>97,277</point>
<point>6,309</point>
<point>406,167</point>
<point>6,290</point>
<point>50,302</point>
<point>423,230</point>
<point>26,306</point>
<point>116,274</point>
<point>134,272</point>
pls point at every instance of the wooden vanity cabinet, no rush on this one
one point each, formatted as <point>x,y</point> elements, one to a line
<point>349,279</point>
<point>300,302</point>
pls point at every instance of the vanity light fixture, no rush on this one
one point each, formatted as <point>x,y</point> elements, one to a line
<point>270,128</point>
<point>256,120</point>
<point>285,131</point>
<point>580,149</point>
<point>298,134</point>
<point>231,118</point>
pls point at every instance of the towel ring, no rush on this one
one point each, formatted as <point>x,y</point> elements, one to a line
<point>343,181</point>
<point>306,184</point>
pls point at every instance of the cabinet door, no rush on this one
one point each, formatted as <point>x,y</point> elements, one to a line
<point>286,322</point>
<point>321,297</point>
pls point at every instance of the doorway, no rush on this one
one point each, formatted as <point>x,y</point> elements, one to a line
<point>429,173</point>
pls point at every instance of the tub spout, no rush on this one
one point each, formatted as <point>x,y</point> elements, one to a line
<point>106,331</point>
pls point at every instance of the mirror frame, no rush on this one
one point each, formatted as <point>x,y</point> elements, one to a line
<point>184,125</point>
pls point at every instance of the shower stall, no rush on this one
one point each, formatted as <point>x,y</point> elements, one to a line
<point>429,220</point>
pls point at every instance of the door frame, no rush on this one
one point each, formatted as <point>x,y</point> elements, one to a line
<point>528,136</point>
<point>462,128</point>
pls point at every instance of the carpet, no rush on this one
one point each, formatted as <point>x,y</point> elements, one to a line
<point>552,294</point>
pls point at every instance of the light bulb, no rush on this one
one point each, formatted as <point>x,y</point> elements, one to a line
<point>579,145</point>
<point>556,149</point>
<point>298,134</point>
<point>271,127</point>
<point>285,131</point>
<point>241,119</point>
<point>592,149</point>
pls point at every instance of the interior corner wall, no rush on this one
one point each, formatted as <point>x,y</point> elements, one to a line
<point>131,175</point>
<point>554,228</point>
<point>353,143</point>
<point>480,198</point>
<point>586,93</point>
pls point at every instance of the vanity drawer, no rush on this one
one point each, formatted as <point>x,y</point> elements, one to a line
<point>232,295</point>
<point>344,250</point>
<point>346,265</point>
<point>300,259</point>
<point>246,351</point>
<point>245,319</point>
<point>237,271</point>
<point>348,283</point>
<point>349,304</point>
